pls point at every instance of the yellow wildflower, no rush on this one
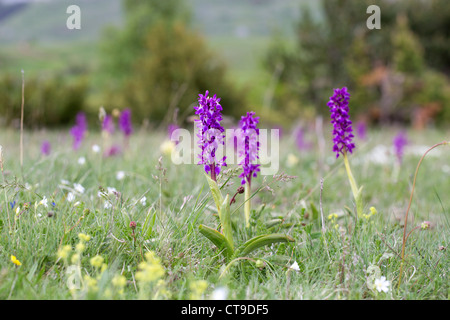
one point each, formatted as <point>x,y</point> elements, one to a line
<point>97,261</point>
<point>80,247</point>
<point>15,261</point>
<point>119,281</point>
<point>84,237</point>
<point>91,283</point>
<point>151,269</point>
<point>167,147</point>
<point>292,160</point>
<point>75,258</point>
<point>197,289</point>
<point>332,216</point>
<point>63,253</point>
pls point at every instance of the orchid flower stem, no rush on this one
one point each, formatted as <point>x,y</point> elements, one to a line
<point>405,237</point>
<point>213,172</point>
<point>247,206</point>
<point>350,176</point>
<point>356,192</point>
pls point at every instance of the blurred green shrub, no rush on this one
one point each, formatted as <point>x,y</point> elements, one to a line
<point>48,101</point>
<point>158,65</point>
<point>390,74</point>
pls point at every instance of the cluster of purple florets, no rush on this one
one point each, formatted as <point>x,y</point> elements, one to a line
<point>78,131</point>
<point>249,146</point>
<point>340,118</point>
<point>210,133</point>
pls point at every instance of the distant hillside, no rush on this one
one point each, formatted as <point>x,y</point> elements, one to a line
<point>36,38</point>
<point>45,22</point>
<point>9,10</point>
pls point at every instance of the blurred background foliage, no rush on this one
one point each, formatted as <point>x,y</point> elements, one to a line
<point>279,58</point>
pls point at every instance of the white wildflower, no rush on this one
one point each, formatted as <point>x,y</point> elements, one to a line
<point>382,284</point>
<point>220,293</point>
<point>70,197</point>
<point>295,266</point>
<point>78,188</point>
<point>120,175</point>
<point>96,148</point>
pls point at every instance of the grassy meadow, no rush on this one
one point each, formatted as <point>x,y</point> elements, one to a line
<point>91,224</point>
<point>66,219</point>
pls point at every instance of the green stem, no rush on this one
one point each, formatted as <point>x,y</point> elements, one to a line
<point>405,237</point>
<point>356,192</point>
<point>350,176</point>
<point>247,205</point>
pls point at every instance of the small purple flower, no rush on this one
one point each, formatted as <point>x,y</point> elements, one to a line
<point>361,130</point>
<point>45,148</point>
<point>12,204</point>
<point>249,147</point>
<point>78,131</point>
<point>171,128</point>
<point>112,151</point>
<point>400,141</point>
<point>125,122</point>
<point>210,132</point>
<point>108,124</point>
<point>300,139</point>
<point>340,118</point>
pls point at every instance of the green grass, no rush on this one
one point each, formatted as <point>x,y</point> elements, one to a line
<point>332,266</point>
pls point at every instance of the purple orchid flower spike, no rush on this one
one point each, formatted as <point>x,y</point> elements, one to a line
<point>45,148</point>
<point>249,147</point>
<point>125,124</point>
<point>361,130</point>
<point>210,133</point>
<point>78,131</point>
<point>342,125</point>
<point>399,142</point>
<point>108,124</point>
<point>299,135</point>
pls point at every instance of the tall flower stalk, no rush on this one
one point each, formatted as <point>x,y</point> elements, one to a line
<point>399,142</point>
<point>125,124</point>
<point>248,146</point>
<point>210,133</point>
<point>78,131</point>
<point>343,138</point>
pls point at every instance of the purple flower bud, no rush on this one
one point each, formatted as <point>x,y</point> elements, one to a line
<point>210,132</point>
<point>340,118</point>
<point>125,122</point>
<point>45,148</point>
<point>112,151</point>
<point>400,141</point>
<point>300,139</point>
<point>361,130</point>
<point>78,130</point>
<point>248,146</point>
<point>108,124</point>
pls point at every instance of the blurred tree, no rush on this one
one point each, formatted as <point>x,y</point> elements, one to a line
<point>174,69</point>
<point>430,22</point>
<point>382,68</point>
<point>407,51</point>
<point>49,101</point>
<point>123,45</point>
<point>157,65</point>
